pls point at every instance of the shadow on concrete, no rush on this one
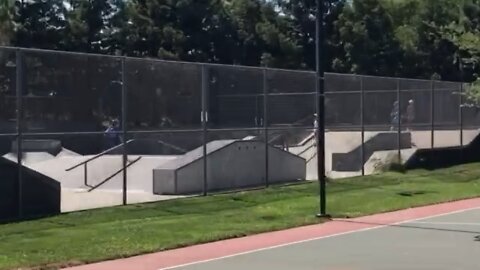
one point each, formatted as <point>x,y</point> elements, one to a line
<point>40,195</point>
<point>352,161</point>
<point>437,158</point>
<point>406,226</point>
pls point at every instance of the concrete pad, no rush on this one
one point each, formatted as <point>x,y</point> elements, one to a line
<point>78,199</point>
<point>97,170</point>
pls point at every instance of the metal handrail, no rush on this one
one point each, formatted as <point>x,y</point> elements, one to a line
<point>173,146</point>
<point>308,148</point>
<point>312,157</point>
<point>288,126</point>
<point>114,174</point>
<point>96,156</point>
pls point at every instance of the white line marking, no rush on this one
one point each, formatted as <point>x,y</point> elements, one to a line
<point>447,223</point>
<point>317,238</point>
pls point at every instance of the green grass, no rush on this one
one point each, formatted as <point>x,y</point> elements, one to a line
<point>91,236</point>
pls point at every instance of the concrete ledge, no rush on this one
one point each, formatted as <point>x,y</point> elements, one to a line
<point>53,147</point>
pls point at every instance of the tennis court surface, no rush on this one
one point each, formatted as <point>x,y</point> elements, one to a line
<point>444,236</point>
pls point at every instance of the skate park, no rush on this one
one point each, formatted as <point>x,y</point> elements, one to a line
<point>150,180</point>
<point>222,128</point>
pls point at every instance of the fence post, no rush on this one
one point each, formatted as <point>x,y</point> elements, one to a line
<point>320,99</point>
<point>432,114</point>
<point>460,113</point>
<point>265,124</point>
<point>124,133</point>
<point>19,115</point>
<point>399,132</point>
<point>204,119</point>
<point>362,122</point>
<point>85,174</point>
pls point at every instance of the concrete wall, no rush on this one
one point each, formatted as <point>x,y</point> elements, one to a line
<point>352,161</point>
<point>8,188</point>
<point>285,167</point>
<point>187,180</point>
<point>41,195</point>
<point>168,180</point>
<point>238,165</point>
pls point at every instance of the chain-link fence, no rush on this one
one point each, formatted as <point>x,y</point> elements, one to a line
<point>80,131</point>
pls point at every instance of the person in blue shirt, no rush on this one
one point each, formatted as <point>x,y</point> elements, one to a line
<point>112,134</point>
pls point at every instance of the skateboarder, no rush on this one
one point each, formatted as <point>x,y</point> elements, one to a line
<point>112,135</point>
<point>410,113</point>
<point>395,116</point>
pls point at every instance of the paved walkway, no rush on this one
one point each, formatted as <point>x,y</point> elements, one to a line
<point>432,237</point>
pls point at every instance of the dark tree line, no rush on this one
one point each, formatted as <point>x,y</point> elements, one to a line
<point>410,38</point>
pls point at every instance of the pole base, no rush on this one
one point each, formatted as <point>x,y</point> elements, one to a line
<point>326,216</point>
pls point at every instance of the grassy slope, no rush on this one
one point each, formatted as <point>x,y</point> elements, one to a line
<point>124,231</point>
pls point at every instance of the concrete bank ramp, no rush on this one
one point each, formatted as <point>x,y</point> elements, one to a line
<point>231,164</point>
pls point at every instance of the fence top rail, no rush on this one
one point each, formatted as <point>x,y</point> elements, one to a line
<point>155,60</point>
<point>23,49</point>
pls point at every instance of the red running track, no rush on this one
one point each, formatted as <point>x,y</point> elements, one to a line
<point>228,248</point>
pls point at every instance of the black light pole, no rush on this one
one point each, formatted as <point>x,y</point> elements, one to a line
<point>19,95</point>
<point>320,117</point>
<point>462,79</point>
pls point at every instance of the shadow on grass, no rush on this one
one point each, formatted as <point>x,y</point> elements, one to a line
<point>338,187</point>
<point>411,193</point>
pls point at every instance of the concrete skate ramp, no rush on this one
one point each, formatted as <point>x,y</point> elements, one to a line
<point>149,147</point>
<point>231,164</point>
<point>290,138</point>
<point>337,142</point>
<point>41,194</point>
<point>352,161</point>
